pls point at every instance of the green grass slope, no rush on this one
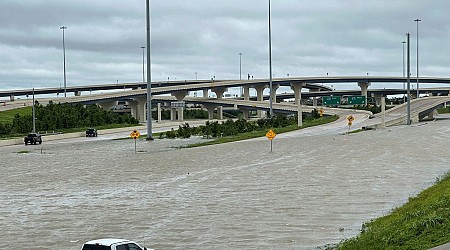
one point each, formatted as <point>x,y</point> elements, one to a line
<point>422,223</point>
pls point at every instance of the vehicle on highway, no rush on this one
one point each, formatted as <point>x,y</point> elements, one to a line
<point>91,132</point>
<point>112,244</point>
<point>33,138</point>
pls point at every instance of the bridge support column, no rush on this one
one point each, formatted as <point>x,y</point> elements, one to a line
<point>260,98</point>
<point>107,105</point>
<point>77,93</point>
<point>205,93</point>
<point>219,93</point>
<point>246,113</point>
<point>378,98</point>
<point>246,93</point>
<point>314,99</point>
<point>159,112</point>
<point>173,114</point>
<point>210,109</point>
<point>141,108</point>
<point>297,88</point>
<point>180,95</point>
<point>134,109</point>
<point>11,98</point>
<point>364,86</point>
<point>273,95</point>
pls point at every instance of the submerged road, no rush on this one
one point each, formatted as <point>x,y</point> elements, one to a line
<point>316,187</point>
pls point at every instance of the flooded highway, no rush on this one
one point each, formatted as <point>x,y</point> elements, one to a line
<point>310,191</point>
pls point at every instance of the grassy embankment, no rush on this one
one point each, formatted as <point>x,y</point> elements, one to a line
<point>422,223</point>
<point>7,116</point>
<point>255,134</point>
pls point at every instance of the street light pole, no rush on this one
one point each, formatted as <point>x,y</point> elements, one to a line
<point>403,57</point>
<point>196,76</point>
<point>408,81</point>
<point>270,65</point>
<point>240,69</point>
<point>34,115</point>
<point>240,66</point>
<point>143,64</point>
<point>64,53</point>
<point>417,44</point>
<point>149,78</point>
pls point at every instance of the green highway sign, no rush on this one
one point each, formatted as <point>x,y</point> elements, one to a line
<point>356,99</point>
<point>331,100</point>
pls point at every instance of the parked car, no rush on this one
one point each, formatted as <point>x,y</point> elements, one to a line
<point>91,132</point>
<point>112,244</point>
<point>33,138</point>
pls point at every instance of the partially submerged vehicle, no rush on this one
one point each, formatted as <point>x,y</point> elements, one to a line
<point>112,244</point>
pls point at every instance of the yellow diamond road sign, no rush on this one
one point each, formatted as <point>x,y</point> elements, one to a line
<point>350,118</point>
<point>271,135</point>
<point>135,134</point>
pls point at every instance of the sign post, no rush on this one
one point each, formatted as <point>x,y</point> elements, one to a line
<point>135,134</point>
<point>350,119</point>
<point>271,135</point>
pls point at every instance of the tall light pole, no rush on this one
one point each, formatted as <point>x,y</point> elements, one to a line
<point>196,76</point>
<point>240,69</point>
<point>149,78</point>
<point>417,44</point>
<point>240,66</point>
<point>403,57</point>
<point>143,64</point>
<point>34,115</point>
<point>64,53</point>
<point>408,81</point>
<point>270,65</point>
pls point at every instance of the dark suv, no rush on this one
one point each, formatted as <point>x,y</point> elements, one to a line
<point>33,138</point>
<point>91,132</point>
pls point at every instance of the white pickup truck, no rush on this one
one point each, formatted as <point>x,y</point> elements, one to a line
<point>112,244</point>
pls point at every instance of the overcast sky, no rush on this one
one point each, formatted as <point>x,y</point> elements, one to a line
<point>309,38</point>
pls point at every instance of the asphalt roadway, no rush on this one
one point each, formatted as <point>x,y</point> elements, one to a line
<point>318,186</point>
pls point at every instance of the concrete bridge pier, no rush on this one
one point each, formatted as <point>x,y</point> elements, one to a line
<point>180,95</point>
<point>173,114</point>
<point>77,93</point>
<point>246,93</point>
<point>159,111</point>
<point>141,108</point>
<point>378,98</point>
<point>273,93</point>
<point>297,88</point>
<point>205,93</point>
<point>364,86</point>
<point>260,98</point>
<point>107,105</point>
<point>219,93</point>
<point>11,97</point>
<point>314,99</point>
<point>210,109</point>
<point>246,113</point>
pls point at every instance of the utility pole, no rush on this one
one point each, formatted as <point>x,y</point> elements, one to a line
<point>270,66</point>
<point>408,75</point>
<point>417,34</point>
<point>149,78</point>
<point>64,53</point>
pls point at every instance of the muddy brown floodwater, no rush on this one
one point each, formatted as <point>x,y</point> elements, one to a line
<point>310,191</point>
